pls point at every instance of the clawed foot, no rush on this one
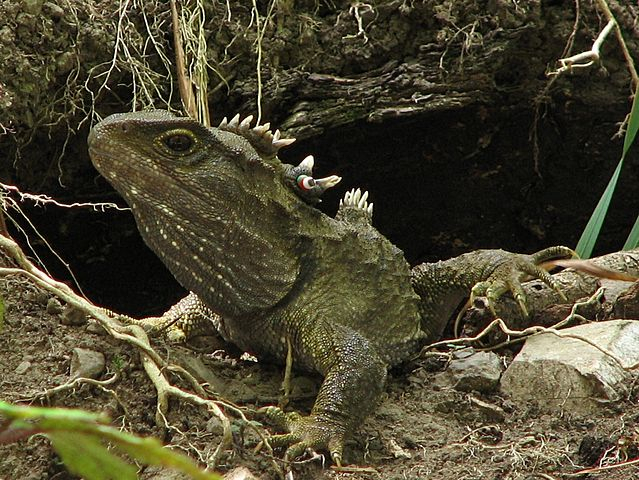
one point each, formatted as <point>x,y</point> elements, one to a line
<point>511,269</point>
<point>306,433</point>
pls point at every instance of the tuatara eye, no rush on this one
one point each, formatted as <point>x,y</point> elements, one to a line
<point>179,142</point>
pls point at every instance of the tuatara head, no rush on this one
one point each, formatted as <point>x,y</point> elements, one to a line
<point>222,217</point>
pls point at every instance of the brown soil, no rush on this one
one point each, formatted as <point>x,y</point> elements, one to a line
<point>420,430</point>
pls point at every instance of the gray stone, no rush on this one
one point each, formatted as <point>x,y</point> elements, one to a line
<point>23,367</point>
<point>214,425</point>
<point>87,363</point>
<point>240,473</point>
<point>492,413</point>
<point>569,374</point>
<point>469,370</point>
<point>94,327</point>
<point>54,307</point>
<point>73,317</point>
<point>196,367</point>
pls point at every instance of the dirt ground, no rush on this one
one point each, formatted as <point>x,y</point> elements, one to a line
<point>420,430</point>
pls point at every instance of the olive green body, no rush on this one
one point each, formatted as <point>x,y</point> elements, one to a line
<point>269,270</point>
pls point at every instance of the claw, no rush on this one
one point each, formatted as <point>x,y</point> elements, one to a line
<point>520,298</point>
<point>305,433</point>
<point>536,271</point>
<point>509,270</point>
<point>335,449</point>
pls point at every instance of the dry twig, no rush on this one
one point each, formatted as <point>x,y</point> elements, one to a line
<point>592,56</point>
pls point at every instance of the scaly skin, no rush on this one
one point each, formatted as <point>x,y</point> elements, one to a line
<point>236,227</point>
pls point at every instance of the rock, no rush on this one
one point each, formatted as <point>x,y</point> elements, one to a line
<point>240,473</point>
<point>469,370</point>
<point>592,448</point>
<point>626,304</point>
<point>54,307</point>
<point>196,367</point>
<point>570,374</point>
<point>55,11</point>
<point>492,413</point>
<point>94,327</point>
<point>214,425</point>
<point>154,472</point>
<point>72,316</point>
<point>87,363</point>
<point>397,451</point>
<point>23,367</point>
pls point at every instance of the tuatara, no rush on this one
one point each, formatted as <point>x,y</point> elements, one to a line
<point>238,228</point>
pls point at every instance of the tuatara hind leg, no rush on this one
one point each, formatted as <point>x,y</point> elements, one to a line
<point>442,286</point>
<point>511,269</point>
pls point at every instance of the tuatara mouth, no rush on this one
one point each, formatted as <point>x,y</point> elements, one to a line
<point>100,155</point>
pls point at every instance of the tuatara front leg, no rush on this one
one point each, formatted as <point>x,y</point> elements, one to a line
<point>354,377</point>
<point>490,273</point>
<point>187,318</point>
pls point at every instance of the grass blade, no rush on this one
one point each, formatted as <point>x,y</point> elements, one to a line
<point>633,238</point>
<point>591,232</point>
<point>633,126</point>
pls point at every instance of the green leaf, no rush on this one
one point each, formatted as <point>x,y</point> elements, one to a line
<point>80,438</point>
<point>86,456</point>
<point>633,239</point>
<point>51,418</point>
<point>633,126</point>
<point>149,450</point>
<point>591,232</point>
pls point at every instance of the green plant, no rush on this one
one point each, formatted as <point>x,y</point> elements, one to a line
<point>591,232</point>
<point>84,440</point>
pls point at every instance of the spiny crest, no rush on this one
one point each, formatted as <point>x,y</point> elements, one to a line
<point>263,140</point>
<point>356,199</point>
